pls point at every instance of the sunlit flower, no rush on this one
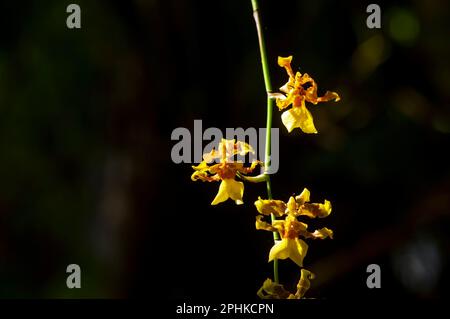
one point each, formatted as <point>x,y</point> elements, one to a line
<point>290,245</point>
<point>225,171</point>
<point>299,89</point>
<point>272,290</point>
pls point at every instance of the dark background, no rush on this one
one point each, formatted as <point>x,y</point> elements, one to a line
<point>86,175</point>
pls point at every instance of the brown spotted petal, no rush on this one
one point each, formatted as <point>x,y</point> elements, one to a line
<point>270,206</point>
<point>314,210</point>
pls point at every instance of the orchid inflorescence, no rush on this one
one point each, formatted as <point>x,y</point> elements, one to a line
<point>285,217</point>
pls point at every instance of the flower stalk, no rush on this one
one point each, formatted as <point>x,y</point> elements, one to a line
<point>268,86</point>
<point>253,179</point>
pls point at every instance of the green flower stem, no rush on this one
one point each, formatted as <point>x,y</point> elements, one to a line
<point>268,85</point>
<point>253,179</point>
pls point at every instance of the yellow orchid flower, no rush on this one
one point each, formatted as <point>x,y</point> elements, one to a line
<point>290,245</point>
<point>226,170</point>
<point>272,290</point>
<point>299,89</point>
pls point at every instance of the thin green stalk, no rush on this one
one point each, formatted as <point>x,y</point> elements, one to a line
<point>268,85</point>
<point>252,179</point>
